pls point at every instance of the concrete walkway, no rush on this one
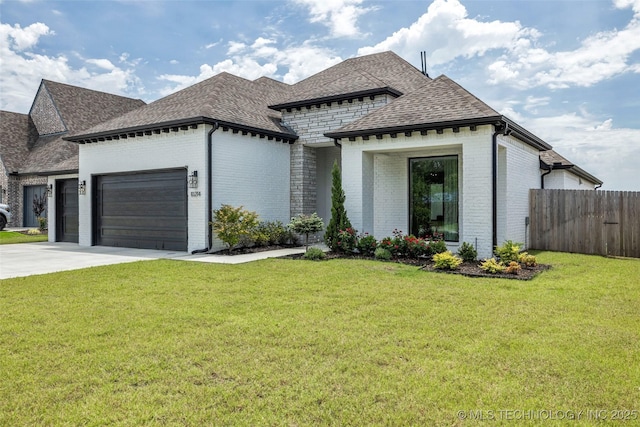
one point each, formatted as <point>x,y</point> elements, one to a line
<point>26,259</point>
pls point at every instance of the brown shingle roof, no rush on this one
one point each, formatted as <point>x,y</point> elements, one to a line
<point>370,73</point>
<point>25,152</point>
<point>82,108</point>
<point>436,102</point>
<point>17,136</point>
<point>223,97</point>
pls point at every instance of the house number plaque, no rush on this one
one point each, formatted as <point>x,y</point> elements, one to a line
<point>195,194</point>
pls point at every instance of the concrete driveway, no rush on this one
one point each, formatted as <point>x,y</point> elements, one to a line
<point>26,259</point>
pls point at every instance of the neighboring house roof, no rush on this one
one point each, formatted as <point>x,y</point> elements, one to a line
<point>225,99</point>
<point>380,73</point>
<point>551,160</point>
<point>437,104</point>
<point>57,109</point>
<point>17,136</point>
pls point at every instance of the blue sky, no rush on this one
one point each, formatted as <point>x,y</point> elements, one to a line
<point>569,71</point>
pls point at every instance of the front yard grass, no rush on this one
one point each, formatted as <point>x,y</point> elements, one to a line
<point>10,237</point>
<point>341,342</point>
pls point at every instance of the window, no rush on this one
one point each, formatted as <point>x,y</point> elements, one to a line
<point>433,197</point>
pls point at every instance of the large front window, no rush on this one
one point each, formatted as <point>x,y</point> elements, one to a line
<point>433,198</point>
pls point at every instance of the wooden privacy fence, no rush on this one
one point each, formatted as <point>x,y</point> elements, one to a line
<point>585,221</point>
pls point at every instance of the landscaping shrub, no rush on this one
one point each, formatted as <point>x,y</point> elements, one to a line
<point>382,254</point>
<point>513,267</point>
<point>528,260</point>
<point>492,266</point>
<point>468,252</point>
<point>508,252</point>
<point>416,247</point>
<point>446,261</point>
<point>438,246</point>
<point>33,231</point>
<point>339,220</point>
<point>367,244</point>
<point>389,244</point>
<point>270,233</point>
<point>306,224</point>
<point>314,254</point>
<point>347,240</point>
<point>233,225</point>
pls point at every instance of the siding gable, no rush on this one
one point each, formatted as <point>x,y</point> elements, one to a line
<point>45,114</point>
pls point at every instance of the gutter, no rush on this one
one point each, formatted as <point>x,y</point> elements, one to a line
<point>500,130</point>
<point>209,140</point>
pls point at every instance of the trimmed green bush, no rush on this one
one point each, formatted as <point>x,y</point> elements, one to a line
<point>446,261</point>
<point>367,244</point>
<point>528,260</point>
<point>468,252</point>
<point>306,224</point>
<point>233,225</point>
<point>492,266</point>
<point>438,247</point>
<point>382,254</point>
<point>314,254</point>
<point>508,252</point>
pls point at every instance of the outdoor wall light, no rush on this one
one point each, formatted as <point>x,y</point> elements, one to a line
<point>82,187</point>
<point>193,180</point>
<point>50,190</point>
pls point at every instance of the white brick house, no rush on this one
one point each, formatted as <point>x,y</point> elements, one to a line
<point>420,155</point>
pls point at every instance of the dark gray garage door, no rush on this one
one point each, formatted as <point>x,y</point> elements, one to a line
<point>142,210</point>
<point>67,210</point>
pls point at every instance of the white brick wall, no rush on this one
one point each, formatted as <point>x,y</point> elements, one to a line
<point>249,171</point>
<point>389,181</point>
<point>523,173</point>
<point>164,151</point>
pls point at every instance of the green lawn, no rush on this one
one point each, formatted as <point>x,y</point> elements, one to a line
<point>10,237</point>
<point>341,342</point>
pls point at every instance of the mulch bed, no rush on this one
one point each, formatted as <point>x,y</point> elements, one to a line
<point>470,269</point>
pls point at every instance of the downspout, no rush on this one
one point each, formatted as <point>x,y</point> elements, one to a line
<point>597,186</point>
<point>209,190</point>
<point>494,139</point>
<point>545,174</point>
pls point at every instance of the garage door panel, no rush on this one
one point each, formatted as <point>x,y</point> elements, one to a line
<point>142,210</point>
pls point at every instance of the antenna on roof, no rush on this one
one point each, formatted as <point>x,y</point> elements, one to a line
<point>423,59</point>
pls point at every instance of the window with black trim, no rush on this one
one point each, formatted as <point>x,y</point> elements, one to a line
<point>433,197</point>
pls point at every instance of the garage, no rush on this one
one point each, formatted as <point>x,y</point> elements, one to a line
<point>146,210</point>
<point>67,210</point>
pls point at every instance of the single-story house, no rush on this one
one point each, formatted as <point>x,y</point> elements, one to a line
<point>417,154</point>
<point>36,160</point>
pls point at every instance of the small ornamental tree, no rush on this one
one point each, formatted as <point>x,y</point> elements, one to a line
<point>339,220</point>
<point>39,206</point>
<point>306,224</point>
<point>232,224</point>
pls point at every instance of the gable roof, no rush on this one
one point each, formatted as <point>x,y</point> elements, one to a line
<point>437,104</point>
<point>551,160</point>
<point>25,151</point>
<point>224,99</point>
<point>379,73</point>
<point>82,108</point>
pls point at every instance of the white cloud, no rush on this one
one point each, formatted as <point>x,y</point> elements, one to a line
<point>22,69</point>
<point>340,16</point>
<point>611,154</point>
<point>446,33</point>
<point>261,58</point>
<point>23,38</point>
